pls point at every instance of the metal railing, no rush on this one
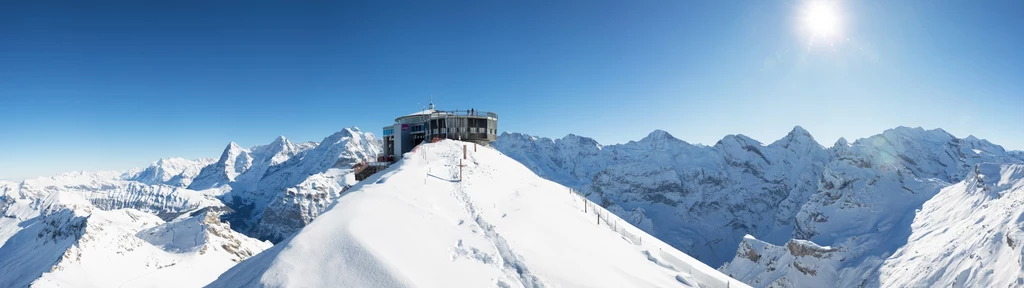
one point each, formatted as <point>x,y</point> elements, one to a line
<point>461,113</point>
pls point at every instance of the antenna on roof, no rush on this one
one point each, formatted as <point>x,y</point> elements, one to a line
<point>431,101</point>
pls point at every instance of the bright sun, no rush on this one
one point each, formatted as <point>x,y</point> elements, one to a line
<point>821,19</point>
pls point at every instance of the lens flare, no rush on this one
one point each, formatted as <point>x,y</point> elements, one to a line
<point>822,20</point>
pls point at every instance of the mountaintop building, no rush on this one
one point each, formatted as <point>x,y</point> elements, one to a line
<point>428,125</point>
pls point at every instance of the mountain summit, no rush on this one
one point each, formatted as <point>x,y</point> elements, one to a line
<point>423,223</point>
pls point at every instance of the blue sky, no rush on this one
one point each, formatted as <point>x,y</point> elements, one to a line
<point>115,85</point>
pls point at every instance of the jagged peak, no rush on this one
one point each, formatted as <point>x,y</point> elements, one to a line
<point>799,130</point>
<point>280,140</point>
<point>234,146</point>
<point>231,149</point>
<point>841,142</point>
<point>344,133</point>
<point>581,140</point>
<point>920,132</point>
<point>797,135</point>
<point>739,138</point>
<point>658,135</point>
<point>520,137</point>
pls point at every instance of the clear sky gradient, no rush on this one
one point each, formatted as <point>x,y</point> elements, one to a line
<point>93,85</point>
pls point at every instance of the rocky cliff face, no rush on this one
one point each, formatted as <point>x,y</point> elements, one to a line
<point>858,197</point>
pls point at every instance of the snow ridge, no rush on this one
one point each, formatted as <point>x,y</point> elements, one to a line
<point>418,224</point>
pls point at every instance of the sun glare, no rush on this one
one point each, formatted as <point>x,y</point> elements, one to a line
<point>821,20</point>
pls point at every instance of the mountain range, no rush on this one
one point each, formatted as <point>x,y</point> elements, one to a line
<point>791,213</point>
<point>907,207</point>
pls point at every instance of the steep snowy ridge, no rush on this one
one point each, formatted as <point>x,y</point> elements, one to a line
<point>857,198</point>
<point>72,243</point>
<point>417,225</point>
<point>969,235</point>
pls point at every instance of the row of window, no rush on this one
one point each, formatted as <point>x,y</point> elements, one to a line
<point>419,128</point>
<point>470,122</point>
<point>463,130</point>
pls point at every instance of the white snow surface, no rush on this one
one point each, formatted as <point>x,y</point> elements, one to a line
<point>74,244</point>
<point>417,225</point>
<point>969,235</point>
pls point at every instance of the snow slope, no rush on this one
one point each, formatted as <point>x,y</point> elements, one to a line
<point>969,235</point>
<point>416,225</point>
<point>857,199</point>
<point>74,244</point>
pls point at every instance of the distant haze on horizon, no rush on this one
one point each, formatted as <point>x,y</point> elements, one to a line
<point>117,85</point>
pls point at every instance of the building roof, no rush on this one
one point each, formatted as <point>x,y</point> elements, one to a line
<point>424,112</point>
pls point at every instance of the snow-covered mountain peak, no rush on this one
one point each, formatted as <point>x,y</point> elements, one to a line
<point>518,137</point>
<point>232,148</point>
<point>739,140</point>
<point>573,140</point>
<point>281,140</point>
<point>841,143</point>
<point>798,138</point>
<point>799,130</point>
<point>659,136</point>
<point>177,172</point>
<point>412,225</point>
